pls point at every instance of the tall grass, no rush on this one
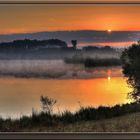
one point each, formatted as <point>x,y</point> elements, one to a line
<point>45,119</point>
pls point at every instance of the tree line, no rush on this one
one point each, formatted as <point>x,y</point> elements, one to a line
<point>29,44</point>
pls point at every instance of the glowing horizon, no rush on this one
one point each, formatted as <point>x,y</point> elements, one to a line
<point>31,32</point>
<point>30,19</point>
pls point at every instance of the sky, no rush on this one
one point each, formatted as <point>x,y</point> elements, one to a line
<point>22,18</point>
<point>35,18</point>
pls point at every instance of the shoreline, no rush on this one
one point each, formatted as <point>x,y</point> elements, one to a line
<point>86,119</point>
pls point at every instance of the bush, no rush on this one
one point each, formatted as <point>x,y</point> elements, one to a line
<point>89,62</point>
<point>93,62</point>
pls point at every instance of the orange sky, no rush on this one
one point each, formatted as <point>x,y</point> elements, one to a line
<point>34,18</point>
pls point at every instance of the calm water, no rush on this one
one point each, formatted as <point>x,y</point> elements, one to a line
<point>75,87</point>
<point>19,96</point>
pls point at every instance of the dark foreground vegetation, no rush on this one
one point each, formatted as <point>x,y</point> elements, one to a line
<point>48,121</point>
<point>126,123</point>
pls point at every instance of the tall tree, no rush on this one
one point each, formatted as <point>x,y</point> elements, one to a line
<point>131,68</point>
<point>74,43</point>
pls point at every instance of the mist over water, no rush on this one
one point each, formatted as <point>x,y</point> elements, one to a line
<point>52,69</point>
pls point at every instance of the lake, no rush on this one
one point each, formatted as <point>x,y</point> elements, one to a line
<point>74,88</point>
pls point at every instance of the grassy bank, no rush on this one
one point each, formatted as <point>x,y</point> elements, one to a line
<point>126,123</point>
<point>86,119</point>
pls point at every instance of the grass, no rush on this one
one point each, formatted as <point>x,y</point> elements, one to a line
<point>116,118</point>
<point>126,123</point>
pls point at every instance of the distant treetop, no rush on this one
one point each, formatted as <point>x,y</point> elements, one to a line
<point>27,43</point>
<point>95,48</point>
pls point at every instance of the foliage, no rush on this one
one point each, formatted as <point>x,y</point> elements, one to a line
<point>102,49</point>
<point>131,69</point>
<point>74,43</point>
<point>93,62</point>
<point>45,119</point>
<point>89,62</point>
<point>47,104</point>
<point>31,44</point>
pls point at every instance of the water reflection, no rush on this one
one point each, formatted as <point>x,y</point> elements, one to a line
<point>18,96</point>
<point>109,75</point>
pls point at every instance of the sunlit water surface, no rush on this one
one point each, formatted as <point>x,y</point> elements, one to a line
<point>19,96</point>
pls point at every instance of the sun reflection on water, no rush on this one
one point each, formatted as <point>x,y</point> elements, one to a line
<point>109,75</point>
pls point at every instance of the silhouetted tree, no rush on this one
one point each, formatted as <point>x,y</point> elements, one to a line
<point>131,69</point>
<point>74,43</point>
<point>27,44</point>
<point>138,41</point>
<point>47,104</point>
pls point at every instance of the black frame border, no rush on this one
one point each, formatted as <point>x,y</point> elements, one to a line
<point>71,135</point>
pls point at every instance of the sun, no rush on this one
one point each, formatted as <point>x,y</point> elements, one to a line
<point>109,78</point>
<point>109,30</point>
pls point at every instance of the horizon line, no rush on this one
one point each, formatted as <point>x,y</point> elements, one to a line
<point>16,33</point>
